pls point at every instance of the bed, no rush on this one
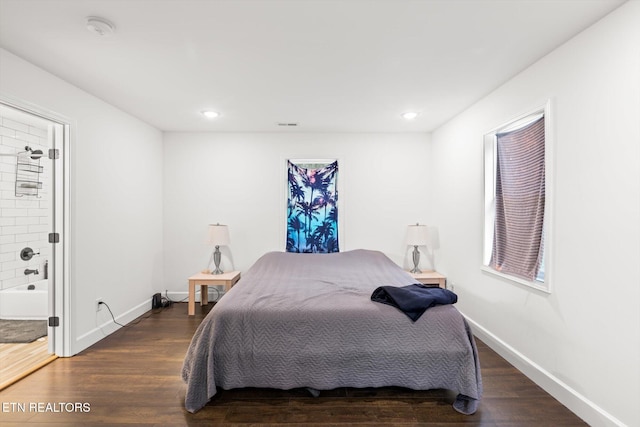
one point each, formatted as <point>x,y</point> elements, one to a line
<point>307,321</point>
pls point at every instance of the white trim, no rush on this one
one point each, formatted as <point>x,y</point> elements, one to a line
<point>489,195</point>
<point>521,122</point>
<point>569,397</point>
<point>106,328</point>
<point>34,109</point>
<point>549,208</point>
<point>64,224</point>
<point>532,284</point>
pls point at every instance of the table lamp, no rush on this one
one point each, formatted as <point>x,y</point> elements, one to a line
<point>218,236</point>
<point>416,236</point>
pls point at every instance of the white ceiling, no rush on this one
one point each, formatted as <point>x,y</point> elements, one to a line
<point>329,65</point>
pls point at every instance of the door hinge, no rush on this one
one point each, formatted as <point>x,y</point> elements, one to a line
<point>54,321</point>
<point>54,238</point>
<point>54,153</point>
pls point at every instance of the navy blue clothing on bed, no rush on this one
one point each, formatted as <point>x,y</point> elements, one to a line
<point>413,300</point>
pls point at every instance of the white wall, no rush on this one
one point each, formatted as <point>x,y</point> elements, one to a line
<point>239,179</point>
<point>581,342</point>
<point>116,200</point>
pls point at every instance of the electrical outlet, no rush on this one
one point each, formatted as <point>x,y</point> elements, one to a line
<point>99,304</point>
<point>451,286</point>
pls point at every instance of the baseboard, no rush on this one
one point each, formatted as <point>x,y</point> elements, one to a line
<point>591,413</point>
<point>108,327</point>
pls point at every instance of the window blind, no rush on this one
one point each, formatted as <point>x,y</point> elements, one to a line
<point>520,201</point>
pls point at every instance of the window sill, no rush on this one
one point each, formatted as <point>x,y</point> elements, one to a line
<point>540,286</point>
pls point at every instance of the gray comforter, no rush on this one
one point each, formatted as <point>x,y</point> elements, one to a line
<point>307,320</point>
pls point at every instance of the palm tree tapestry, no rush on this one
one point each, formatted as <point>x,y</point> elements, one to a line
<point>312,211</point>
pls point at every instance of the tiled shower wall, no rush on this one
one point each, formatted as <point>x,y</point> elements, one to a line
<point>24,220</point>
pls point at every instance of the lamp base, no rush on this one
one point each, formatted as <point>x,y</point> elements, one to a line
<point>216,261</point>
<point>416,260</point>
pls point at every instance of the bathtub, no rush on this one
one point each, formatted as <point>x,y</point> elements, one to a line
<point>21,303</point>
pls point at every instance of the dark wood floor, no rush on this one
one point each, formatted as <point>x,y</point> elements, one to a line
<point>132,377</point>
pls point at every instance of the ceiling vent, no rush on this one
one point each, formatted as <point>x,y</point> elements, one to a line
<point>288,124</point>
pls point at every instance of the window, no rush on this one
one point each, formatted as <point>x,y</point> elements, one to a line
<point>517,200</point>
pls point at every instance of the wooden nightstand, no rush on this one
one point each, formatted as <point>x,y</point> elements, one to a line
<point>430,277</point>
<point>204,280</point>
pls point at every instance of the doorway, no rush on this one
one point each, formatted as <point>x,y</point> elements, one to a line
<point>33,189</point>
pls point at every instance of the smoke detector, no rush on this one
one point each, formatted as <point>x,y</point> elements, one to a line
<point>100,26</point>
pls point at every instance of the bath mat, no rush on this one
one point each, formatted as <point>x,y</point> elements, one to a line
<point>21,331</point>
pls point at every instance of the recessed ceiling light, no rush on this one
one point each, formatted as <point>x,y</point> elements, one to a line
<point>210,114</point>
<point>410,115</point>
<point>100,26</point>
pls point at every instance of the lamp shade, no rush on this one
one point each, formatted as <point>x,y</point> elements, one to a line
<point>417,235</point>
<point>219,235</point>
